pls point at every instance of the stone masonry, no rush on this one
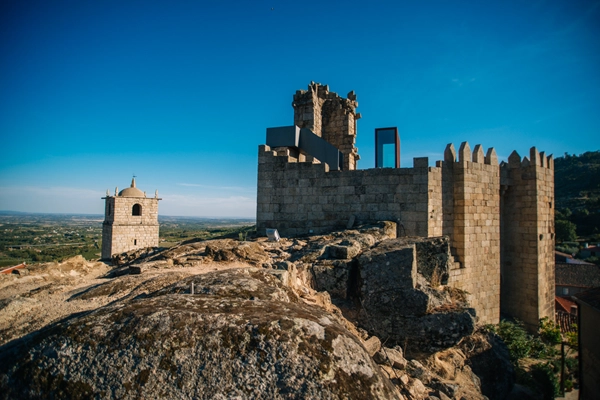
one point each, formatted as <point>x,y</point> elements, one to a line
<point>130,221</point>
<point>528,237</point>
<point>330,117</point>
<point>495,215</point>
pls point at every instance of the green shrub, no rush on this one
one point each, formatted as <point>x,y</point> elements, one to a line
<point>546,380</point>
<point>549,332</point>
<point>568,385</point>
<point>516,338</point>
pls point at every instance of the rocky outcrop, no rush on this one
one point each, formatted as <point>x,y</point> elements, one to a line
<point>352,314</point>
<point>242,335</point>
<point>400,305</point>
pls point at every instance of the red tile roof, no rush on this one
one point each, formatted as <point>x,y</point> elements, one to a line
<point>564,304</point>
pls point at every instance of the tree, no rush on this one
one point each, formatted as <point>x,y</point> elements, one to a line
<point>565,231</point>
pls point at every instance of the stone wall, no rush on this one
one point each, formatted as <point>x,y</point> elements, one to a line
<point>528,237</point>
<point>122,231</point>
<point>304,197</point>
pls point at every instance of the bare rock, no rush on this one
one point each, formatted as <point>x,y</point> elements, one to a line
<point>392,357</point>
<point>332,276</point>
<point>345,250</point>
<point>233,250</point>
<point>489,359</point>
<point>399,305</point>
<point>244,335</point>
<point>373,344</point>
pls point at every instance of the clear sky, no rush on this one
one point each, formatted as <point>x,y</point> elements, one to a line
<point>180,93</point>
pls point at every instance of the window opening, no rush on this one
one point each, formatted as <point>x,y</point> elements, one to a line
<point>137,210</point>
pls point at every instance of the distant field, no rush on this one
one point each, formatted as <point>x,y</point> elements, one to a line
<point>35,238</point>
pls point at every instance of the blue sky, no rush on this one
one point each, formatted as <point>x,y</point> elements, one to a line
<point>181,93</point>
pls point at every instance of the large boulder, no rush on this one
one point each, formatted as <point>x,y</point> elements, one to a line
<point>242,334</point>
<point>399,305</point>
<point>332,276</point>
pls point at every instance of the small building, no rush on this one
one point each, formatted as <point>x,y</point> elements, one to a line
<point>589,343</point>
<point>593,251</point>
<point>566,313</point>
<point>575,278</point>
<point>130,221</point>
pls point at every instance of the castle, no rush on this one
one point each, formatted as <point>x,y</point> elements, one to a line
<point>499,217</point>
<point>130,221</point>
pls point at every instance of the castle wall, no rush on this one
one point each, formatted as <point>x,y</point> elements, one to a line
<point>528,238</point>
<point>305,197</point>
<point>122,231</point>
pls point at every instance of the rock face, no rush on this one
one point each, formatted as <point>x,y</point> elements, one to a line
<point>488,357</point>
<point>400,305</point>
<point>242,335</point>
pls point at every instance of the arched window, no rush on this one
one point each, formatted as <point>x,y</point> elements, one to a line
<point>137,210</point>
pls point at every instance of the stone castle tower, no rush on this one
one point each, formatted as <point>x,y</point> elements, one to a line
<point>330,117</point>
<point>130,221</point>
<point>499,216</point>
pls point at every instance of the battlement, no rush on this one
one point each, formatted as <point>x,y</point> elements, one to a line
<point>536,158</point>
<point>465,154</point>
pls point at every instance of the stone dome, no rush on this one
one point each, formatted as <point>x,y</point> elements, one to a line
<point>132,191</point>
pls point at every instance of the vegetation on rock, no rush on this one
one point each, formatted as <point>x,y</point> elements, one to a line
<point>536,358</point>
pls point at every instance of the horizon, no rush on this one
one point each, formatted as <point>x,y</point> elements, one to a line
<point>181,95</point>
<point>12,212</point>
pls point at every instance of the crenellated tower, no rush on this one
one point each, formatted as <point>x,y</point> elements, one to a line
<point>527,211</point>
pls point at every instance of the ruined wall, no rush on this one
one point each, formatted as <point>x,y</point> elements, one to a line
<point>305,197</point>
<point>331,117</point>
<point>528,237</point>
<point>122,231</point>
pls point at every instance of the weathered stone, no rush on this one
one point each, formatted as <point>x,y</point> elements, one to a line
<point>332,277</point>
<point>345,250</point>
<point>433,257</point>
<point>391,264</point>
<point>373,344</point>
<point>244,335</point>
<point>391,357</point>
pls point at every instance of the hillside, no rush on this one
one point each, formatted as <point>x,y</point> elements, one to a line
<point>577,192</point>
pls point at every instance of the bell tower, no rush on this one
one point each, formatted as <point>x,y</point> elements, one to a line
<point>130,221</point>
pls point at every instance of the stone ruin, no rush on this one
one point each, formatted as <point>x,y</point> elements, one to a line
<point>499,217</point>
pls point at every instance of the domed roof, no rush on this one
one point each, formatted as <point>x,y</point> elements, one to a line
<point>132,191</point>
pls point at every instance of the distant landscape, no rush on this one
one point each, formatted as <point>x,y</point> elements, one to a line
<point>30,238</point>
